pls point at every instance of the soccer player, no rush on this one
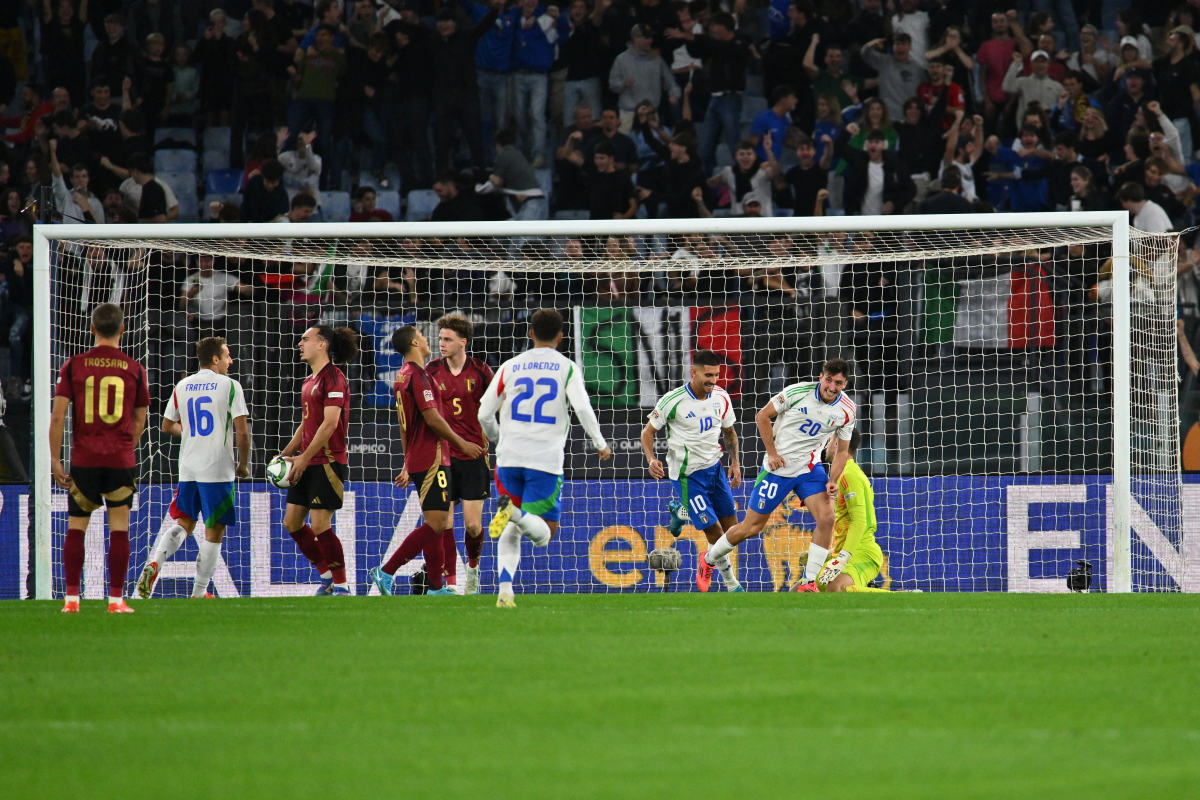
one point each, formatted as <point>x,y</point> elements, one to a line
<point>317,453</point>
<point>426,463</point>
<point>462,380</point>
<point>795,424</point>
<point>109,396</point>
<point>532,392</point>
<point>208,412</point>
<point>858,558</point>
<point>697,417</point>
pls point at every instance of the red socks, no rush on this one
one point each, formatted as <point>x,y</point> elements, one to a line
<point>474,545</point>
<point>306,540</point>
<point>118,561</point>
<point>73,561</point>
<point>414,543</point>
<point>435,560</point>
<point>450,556</point>
<point>332,554</point>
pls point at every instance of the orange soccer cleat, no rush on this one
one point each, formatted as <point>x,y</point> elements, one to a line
<point>70,607</point>
<point>119,607</point>
<point>704,572</point>
<point>811,586</point>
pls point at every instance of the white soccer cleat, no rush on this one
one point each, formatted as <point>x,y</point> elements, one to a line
<point>472,586</point>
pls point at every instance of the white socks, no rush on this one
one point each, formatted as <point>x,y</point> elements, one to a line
<point>718,550</point>
<point>167,543</point>
<point>535,529</point>
<point>725,567</point>
<point>508,556</point>
<point>206,565</point>
<point>816,560</point>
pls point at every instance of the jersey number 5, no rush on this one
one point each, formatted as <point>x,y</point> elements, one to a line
<point>108,411</point>
<point>525,387</point>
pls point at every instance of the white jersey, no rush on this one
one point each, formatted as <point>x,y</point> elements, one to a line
<point>205,405</point>
<point>533,393</point>
<point>804,425</point>
<point>694,428</point>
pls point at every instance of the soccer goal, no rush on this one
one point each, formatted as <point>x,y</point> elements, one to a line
<point>1015,377</point>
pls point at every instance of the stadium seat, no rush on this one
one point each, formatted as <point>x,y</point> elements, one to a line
<point>217,138</point>
<point>335,206</point>
<point>421,203</point>
<point>175,161</point>
<point>572,214</point>
<point>175,135</point>
<point>183,184</point>
<point>214,158</point>
<point>222,181</point>
<point>389,201</point>
<point>545,179</point>
<point>784,212</point>
<point>751,107</point>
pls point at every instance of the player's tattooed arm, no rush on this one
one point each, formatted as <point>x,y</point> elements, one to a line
<point>729,435</point>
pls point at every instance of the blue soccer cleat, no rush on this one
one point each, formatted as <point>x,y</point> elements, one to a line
<point>445,590</point>
<point>326,588</point>
<point>343,591</point>
<point>738,588</point>
<point>382,580</point>
<point>675,526</point>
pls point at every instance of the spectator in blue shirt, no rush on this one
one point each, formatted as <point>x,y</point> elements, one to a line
<point>777,120</point>
<point>493,63</point>
<point>537,32</point>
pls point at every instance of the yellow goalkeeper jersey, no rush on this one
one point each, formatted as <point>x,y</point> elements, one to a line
<point>854,527</point>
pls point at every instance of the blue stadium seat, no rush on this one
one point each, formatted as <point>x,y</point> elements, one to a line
<point>572,214</point>
<point>784,212</point>
<point>175,161</point>
<point>751,107</point>
<point>335,206</point>
<point>421,203</point>
<point>389,201</point>
<point>214,159</point>
<point>175,135</point>
<point>222,181</point>
<point>183,184</point>
<point>217,138</point>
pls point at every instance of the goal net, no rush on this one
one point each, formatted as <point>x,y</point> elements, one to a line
<point>1015,377</point>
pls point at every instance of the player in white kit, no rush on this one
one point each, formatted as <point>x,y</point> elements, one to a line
<point>795,426</point>
<point>533,393</point>
<point>697,417</point>
<point>207,411</point>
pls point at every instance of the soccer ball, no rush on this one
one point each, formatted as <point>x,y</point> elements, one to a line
<point>277,472</point>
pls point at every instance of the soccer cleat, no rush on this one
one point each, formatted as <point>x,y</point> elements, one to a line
<point>325,589</point>
<point>506,600</point>
<point>145,584</point>
<point>704,572</point>
<point>811,586</point>
<point>472,586</point>
<point>446,590</point>
<point>738,588</point>
<point>70,607</point>
<point>382,580</point>
<point>501,517</point>
<point>675,526</point>
<point>207,596</point>
<point>341,591</point>
<point>119,607</point>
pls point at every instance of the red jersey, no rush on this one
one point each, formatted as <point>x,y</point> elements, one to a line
<point>930,94</point>
<point>104,386</point>
<point>460,398</point>
<point>415,392</point>
<point>327,388</point>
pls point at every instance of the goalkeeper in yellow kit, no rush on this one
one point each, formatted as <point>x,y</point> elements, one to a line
<point>855,558</point>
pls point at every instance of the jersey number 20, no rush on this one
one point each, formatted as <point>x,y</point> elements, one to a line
<point>525,387</point>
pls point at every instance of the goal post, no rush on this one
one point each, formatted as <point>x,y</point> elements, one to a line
<point>1004,381</point>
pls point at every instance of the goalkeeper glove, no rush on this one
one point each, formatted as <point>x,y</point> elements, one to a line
<point>833,567</point>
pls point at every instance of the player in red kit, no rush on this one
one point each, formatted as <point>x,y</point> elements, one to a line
<point>462,380</point>
<point>427,441</point>
<point>319,471</point>
<point>109,396</point>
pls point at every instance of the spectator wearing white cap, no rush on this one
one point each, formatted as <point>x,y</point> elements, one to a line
<point>1037,86</point>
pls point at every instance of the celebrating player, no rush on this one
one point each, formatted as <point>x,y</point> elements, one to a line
<point>109,397</point>
<point>805,416</point>
<point>462,380</point>
<point>318,473</point>
<point>531,391</point>
<point>201,411</point>
<point>697,417</point>
<point>426,463</point>
<point>858,558</point>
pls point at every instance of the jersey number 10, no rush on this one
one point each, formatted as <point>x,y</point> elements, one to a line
<point>108,409</point>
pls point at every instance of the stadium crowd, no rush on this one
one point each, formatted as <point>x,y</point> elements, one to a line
<point>258,110</point>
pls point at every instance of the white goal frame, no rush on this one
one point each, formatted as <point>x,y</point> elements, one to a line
<point>1120,575</point>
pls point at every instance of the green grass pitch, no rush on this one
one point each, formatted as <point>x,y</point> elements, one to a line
<point>665,695</point>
